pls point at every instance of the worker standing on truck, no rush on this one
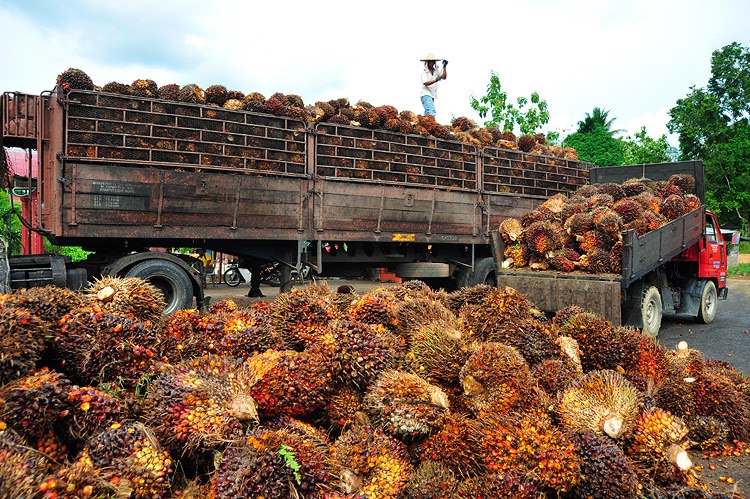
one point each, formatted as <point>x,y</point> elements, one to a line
<point>431,75</point>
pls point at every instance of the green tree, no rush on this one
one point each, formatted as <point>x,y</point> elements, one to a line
<point>530,114</point>
<point>597,118</point>
<point>712,125</point>
<point>641,149</point>
<point>597,146</point>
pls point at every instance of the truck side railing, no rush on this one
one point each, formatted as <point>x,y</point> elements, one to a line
<point>20,117</point>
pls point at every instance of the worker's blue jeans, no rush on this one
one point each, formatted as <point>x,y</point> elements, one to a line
<point>429,105</point>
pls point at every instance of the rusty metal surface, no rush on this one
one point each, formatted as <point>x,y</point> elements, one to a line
<point>19,119</point>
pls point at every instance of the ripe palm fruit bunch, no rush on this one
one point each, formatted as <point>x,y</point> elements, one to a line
<point>610,224</point>
<point>468,295</point>
<point>129,454</point>
<point>685,361</point>
<point>602,402</point>
<point>645,360</point>
<point>452,446</point>
<point>511,230</point>
<point>234,104</point>
<point>579,224</point>
<point>356,353</point>
<point>498,307</point>
<point>530,217</point>
<point>74,79</point>
<point>91,411</point>
<point>463,124</point>
<point>170,91</point>
<point>431,480</point>
<point>22,341</point>
<point>405,405</point>
<point>498,485</point>
<point>559,261</point>
<point>600,343</point>
<point>685,182</point>
<point>658,434</point>
<point>554,375</point>
<point>606,472</point>
<point>529,444</point>
<point>590,240</point>
<point>289,383</point>
<point>145,88</point>
<point>131,297</point>
<point>48,303</point>
<point>596,261</point>
<point>299,316</point>
<point>182,334</point>
<point>515,256</point>
<point>199,404</point>
<point>370,463</point>
<point>673,207</point>
<point>534,339</point>
<point>692,202</point>
<point>216,94</point>
<point>526,142</point>
<point>94,346</point>
<point>648,201</point>
<point>542,237</point>
<point>374,308</point>
<point>716,395</point>
<point>344,408</point>
<point>23,470</point>
<point>555,205</point>
<point>588,190</point>
<point>415,312</point>
<point>76,481</point>
<point>613,189</point>
<point>32,405</point>
<point>628,208</point>
<point>192,94</point>
<point>437,353</point>
<point>708,432</point>
<point>740,380</point>
<point>634,186</point>
<point>600,200</point>
<point>615,258</point>
<point>115,87</point>
<point>496,378</point>
<point>664,189</point>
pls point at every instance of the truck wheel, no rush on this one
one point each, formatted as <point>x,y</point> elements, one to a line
<point>651,311</point>
<point>170,279</point>
<point>484,272</point>
<point>709,297</point>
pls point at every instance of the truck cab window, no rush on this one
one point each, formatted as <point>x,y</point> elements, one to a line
<point>710,230</point>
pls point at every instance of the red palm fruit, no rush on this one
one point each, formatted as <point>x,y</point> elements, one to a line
<point>628,208</point>
<point>499,306</point>
<point>91,411</point>
<point>554,375</point>
<point>600,343</point>
<point>588,190</point>
<point>74,79</point>
<point>421,311</point>
<point>22,341</point>
<point>664,189</point>
<point>560,262</point>
<point>600,200</point>
<point>374,308</point>
<point>708,432</point>
<point>633,187</point>
<point>648,202</point>
<point>596,261</point>
<point>532,216</point>
<point>131,297</point>
<point>515,256</point>
<point>610,224</point>
<point>298,316</point>
<point>498,485</point>
<point>542,237</point>
<point>685,182</point>
<point>526,142</point>
<point>613,189</point>
<point>145,88</point>
<point>533,338</point>
<point>511,230</point>
<point>431,480</point>
<point>673,207</point>
<point>452,446</point>
<point>644,361</point>
<point>639,225</point>
<point>606,472</point>
<point>170,91</point>
<point>658,434</point>
<point>692,202</point>
<point>579,223</point>
<point>344,408</point>
<point>472,295</point>
<point>48,303</point>
<point>615,258</point>
<point>592,239</point>
<point>716,395</point>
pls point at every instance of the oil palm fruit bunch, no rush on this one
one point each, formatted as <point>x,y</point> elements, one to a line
<point>675,394</point>
<point>437,353</point>
<point>374,308</point>
<point>600,200</point>
<point>145,88</point>
<point>344,408</point>
<point>511,230</point>
<point>526,142</point>
<point>628,208</point>
<point>453,446</point>
<point>200,404</point>
<point>716,395</point>
<point>554,375</point>
<point>131,297</point>
<point>463,124</point>
<point>356,353</point>
<point>648,201</point>
<point>405,405</point>
<point>602,402</point>
<point>645,360</point>
<point>22,341</point>
<point>579,224</point>
<point>542,237</point>
<point>685,361</point>
<point>498,485</point>
<point>613,189</point>
<point>600,343</point>
<point>191,94</point>
<point>498,307</point>
<point>23,470</point>
<point>431,480</point>
<point>534,339</point>
<point>529,445</point>
<point>708,432</point>
<point>299,316</point>
<point>234,104</point>
<point>610,224</point>
<point>615,258</point>
<point>496,378</point>
<point>370,463</point>
<point>685,182</point>
<point>414,312</point>
<point>740,380</point>
<point>76,481</point>
<point>128,453</point>
<point>591,240</point>
<point>33,404</point>
<point>559,261</point>
<point>95,346</point>
<point>289,383</point>
<point>515,256</point>
<point>664,189</point>
<point>48,303</point>
<point>91,411</point>
<point>554,206</point>
<point>588,190</point>
<point>74,79</point>
<point>115,87</point>
<point>216,94</point>
<point>170,91</point>
<point>658,434</point>
<point>468,295</point>
<point>692,202</point>
<point>634,186</point>
<point>606,472</point>
<point>673,207</point>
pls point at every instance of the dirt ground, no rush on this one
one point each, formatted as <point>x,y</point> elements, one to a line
<point>744,258</point>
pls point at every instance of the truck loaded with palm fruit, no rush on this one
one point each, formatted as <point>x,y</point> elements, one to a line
<point>124,169</point>
<point>635,243</point>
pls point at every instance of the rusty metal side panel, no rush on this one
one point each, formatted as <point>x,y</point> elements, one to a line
<point>498,207</point>
<point>118,201</point>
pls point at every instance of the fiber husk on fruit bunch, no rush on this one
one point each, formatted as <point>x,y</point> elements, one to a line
<point>583,231</point>
<point>404,392</point>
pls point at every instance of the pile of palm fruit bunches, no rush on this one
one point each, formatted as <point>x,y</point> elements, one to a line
<point>400,392</point>
<point>338,111</point>
<point>583,230</point>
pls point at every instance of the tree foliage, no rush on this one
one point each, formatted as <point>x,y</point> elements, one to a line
<point>529,113</point>
<point>597,118</point>
<point>641,149</point>
<point>10,225</point>
<point>712,125</point>
<point>597,146</point>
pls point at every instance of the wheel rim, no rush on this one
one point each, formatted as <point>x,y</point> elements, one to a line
<point>651,315</point>
<point>710,302</point>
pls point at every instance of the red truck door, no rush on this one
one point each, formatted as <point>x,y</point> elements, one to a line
<point>712,254</point>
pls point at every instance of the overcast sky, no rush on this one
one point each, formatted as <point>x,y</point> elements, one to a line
<point>634,58</point>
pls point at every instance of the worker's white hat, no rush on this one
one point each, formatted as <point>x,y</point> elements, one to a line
<point>431,57</point>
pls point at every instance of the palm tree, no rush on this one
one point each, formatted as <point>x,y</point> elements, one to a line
<point>597,117</point>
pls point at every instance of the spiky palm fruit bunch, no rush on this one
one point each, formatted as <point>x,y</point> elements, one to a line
<point>469,295</point>
<point>299,316</point>
<point>542,237</point>
<point>555,204</point>
<point>602,402</point>
<point>192,94</point>
<point>692,202</point>
<point>498,306</point>
<point>515,256</point>
<point>91,411</point>
<point>344,408</point>
<point>606,472</point>
<point>170,91</point>
<point>610,224</point>
<point>531,217</point>
<point>313,114</point>
<point>526,142</point>
<point>673,207</point>
<point>273,462</point>
<point>628,208</point>
<point>417,311</point>
<point>639,225</point>
<point>22,341</point>
<point>559,261</point>
<point>200,404</point>
<point>685,182</point>
<point>289,383</point>
<point>579,224</point>
<point>600,200</point>
<point>740,380</point>
<point>590,240</point>
<point>255,106</point>
<point>437,353</point>
<point>371,463</point>
<point>657,434</point>
<point>463,124</point>
<point>534,339</point>
<point>393,124</point>
<point>574,206</point>
<point>615,258</point>
<point>374,308</point>
<point>644,361</point>
<point>634,186</point>
<point>48,303</point>
<point>664,189</point>
<point>615,190</point>
<point>145,88</point>
<point>496,378</point>
<point>131,297</point>
<point>94,346</point>
<point>405,405</point>
<point>180,331</point>
<point>236,95</point>
<point>511,230</point>
<point>716,395</point>
<point>431,480</point>
<point>562,315</point>
<point>129,453</point>
<point>708,432</point>
<point>600,343</point>
<point>596,261</point>
<point>32,405</point>
<point>23,470</point>
<point>276,106</point>
<point>529,444</point>
<point>234,104</point>
<point>356,352</point>
<point>453,446</point>
<point>115,87</point>
<point>74,79</point>
<point>648,201</point>
<point>498,485</point>
<point>588,190</point>
<point>554,375</point>
<point>685,361</point>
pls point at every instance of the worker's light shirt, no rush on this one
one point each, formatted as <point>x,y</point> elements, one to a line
<point>427,76</point>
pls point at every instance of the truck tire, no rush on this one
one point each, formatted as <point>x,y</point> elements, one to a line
<point>709,298</point>
<point>170,279</point>
<point>484,272</point>
<point>651,311</point>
